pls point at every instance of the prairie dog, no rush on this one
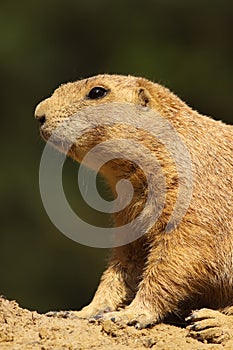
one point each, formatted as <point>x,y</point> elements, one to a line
<point>161,273</point>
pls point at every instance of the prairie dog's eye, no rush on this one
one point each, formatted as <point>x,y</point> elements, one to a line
<point>97,92</point>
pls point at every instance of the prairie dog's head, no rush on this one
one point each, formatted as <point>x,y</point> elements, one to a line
<point>99,90</point>
<point>71,97</point>
<point>87,99</point>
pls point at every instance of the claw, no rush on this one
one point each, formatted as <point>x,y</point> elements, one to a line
<point>97,317</point>
<point>61,314</point>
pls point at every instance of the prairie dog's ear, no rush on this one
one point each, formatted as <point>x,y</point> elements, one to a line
<point>144,90</point>
<point>143,96</point>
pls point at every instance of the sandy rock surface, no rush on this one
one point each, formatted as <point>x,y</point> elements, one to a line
<point>24,329</point>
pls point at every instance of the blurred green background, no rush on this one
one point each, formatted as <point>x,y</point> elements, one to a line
<point>185,45</point>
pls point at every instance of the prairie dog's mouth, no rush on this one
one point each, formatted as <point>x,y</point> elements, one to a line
<point>44,134</point>
<point>58,140</point>
<point>57,130</point>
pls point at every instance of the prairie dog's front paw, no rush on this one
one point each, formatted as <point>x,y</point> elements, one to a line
<point>91,312</point>
<point>86,313</point>
<point>129,316</point>
<point>210,325</point>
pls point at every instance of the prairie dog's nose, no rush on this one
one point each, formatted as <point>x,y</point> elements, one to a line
<point>40,111</point>
<point>41,119</point>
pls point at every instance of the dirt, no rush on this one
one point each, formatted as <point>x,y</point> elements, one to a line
<point>21,329</point>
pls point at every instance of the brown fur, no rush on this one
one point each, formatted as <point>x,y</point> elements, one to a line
<point>161,273</point>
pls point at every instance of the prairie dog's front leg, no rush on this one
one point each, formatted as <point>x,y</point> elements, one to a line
<point>112,292</point>
<point>164,285</point>
<point>119,282</point>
